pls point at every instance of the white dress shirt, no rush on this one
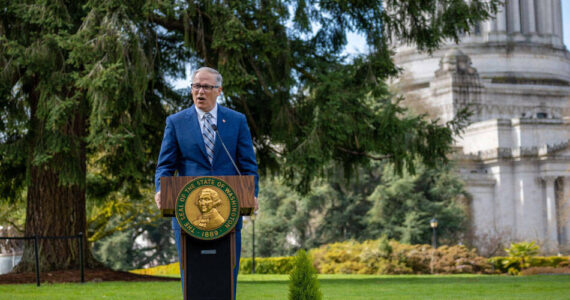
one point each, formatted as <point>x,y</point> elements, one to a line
<point>214,118</point>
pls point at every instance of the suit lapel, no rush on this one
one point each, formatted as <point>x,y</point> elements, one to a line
<point>195,131</point>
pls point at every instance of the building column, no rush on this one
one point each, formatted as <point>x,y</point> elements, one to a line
<point>540,8</point>
<point>501,21</point>
<point>528,17</point>
<point>497,27</point>
<point>547,16</point>
<point>514,16</point>
<point>557,39</point>
<point>551,241</point>
<point>563,210</point>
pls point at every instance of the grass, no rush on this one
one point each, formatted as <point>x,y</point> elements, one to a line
<point>333,287</point>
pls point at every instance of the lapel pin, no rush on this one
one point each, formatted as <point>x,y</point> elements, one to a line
<point>223,120</point>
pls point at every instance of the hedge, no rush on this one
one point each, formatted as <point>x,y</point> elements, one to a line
<point>267,265</point>
<point>378,257</point>
<point>504,263</point>
<point>164,270</point>
<point>263,265</point>
<point>391,257</point>
<point>385,257</point>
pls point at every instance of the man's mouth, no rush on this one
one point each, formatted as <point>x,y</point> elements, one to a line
<point>201,98</point>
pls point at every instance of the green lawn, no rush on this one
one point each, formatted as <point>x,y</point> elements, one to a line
<point>333,287</point>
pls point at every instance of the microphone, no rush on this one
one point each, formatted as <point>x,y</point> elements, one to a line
<point>215,127</point>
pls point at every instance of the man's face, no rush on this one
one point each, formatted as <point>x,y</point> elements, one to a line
<point>205,203</point>
<point>203,99</point>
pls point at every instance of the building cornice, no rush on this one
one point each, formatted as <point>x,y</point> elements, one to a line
<point>504,153</point>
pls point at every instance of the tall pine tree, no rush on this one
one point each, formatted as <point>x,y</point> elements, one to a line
<point>79,83</point>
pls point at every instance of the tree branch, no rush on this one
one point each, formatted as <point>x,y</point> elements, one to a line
<point>168,23</point>
<point>361,153</point>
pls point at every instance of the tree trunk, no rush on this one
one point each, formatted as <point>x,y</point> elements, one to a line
<point>53,209</point>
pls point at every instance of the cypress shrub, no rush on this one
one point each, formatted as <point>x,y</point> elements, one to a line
<point>303,283</point>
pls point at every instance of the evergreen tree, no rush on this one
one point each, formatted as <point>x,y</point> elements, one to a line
<point>303,282</point>
<point>121,251</point>
<point>403,206</point>
<point>306,105</point>
<point>78,84</point>
<point>379,204</point>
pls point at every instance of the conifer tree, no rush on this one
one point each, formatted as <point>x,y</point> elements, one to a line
<point>78,84</point>
<point>303,282</point>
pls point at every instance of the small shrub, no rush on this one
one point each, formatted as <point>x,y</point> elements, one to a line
<point>459,259</point>
<point>513,271</point>
<point>303,283</point>
<point>503,264</point>
<point>521,253</point>
<point>545,270</point>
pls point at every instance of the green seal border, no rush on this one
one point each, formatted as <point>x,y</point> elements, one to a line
<point>195,232</point>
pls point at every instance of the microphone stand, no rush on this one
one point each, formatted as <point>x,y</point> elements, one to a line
<point>215,127</point>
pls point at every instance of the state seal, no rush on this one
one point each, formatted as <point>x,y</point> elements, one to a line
<point>207,208</point>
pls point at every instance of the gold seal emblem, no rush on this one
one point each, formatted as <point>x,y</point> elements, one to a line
<point>207,208</point>
<point>208,203</point>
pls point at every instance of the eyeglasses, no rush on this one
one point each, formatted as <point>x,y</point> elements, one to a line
<point>206,87</point>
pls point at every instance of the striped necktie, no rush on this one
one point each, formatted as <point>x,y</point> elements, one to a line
<point>209,137</point>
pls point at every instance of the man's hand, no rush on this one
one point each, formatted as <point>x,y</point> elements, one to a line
<point>256,204</point>
<point>157,199</point>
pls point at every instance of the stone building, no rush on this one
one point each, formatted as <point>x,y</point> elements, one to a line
<point>514,73</point>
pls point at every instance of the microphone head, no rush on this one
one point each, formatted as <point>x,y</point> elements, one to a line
<point>214,127</point>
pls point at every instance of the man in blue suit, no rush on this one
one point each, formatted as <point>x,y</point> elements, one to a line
<point>191,147</point>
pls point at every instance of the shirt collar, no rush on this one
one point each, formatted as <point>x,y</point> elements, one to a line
<point>213,112</point>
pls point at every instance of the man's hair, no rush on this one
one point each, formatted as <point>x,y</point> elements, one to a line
<point>219,78</point>
<point>216,201</point>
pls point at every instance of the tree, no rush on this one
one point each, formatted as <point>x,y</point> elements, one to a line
<point>307,106</point>
<point>123,250</point>
<point>75,87</point>
<point>380,203</point>
<point>303,282</point>
<point>83,92</point>
<point>403,206</point>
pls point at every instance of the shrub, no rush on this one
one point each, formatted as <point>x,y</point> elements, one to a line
<point>503,264</point>
<point>379,257</point>
<point>267,265</point>
<point>303,283</point>
<point>164,270</point>
<point>545,270</point>
<point>520,253</point>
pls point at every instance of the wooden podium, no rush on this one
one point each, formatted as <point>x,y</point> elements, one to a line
<point>208,265</point>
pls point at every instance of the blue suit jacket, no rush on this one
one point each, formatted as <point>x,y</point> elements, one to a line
<point>183,148</point>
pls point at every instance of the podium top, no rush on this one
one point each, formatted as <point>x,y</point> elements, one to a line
<point>243,186</point>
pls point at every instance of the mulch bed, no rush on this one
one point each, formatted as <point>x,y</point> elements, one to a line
<point>91,275</point>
